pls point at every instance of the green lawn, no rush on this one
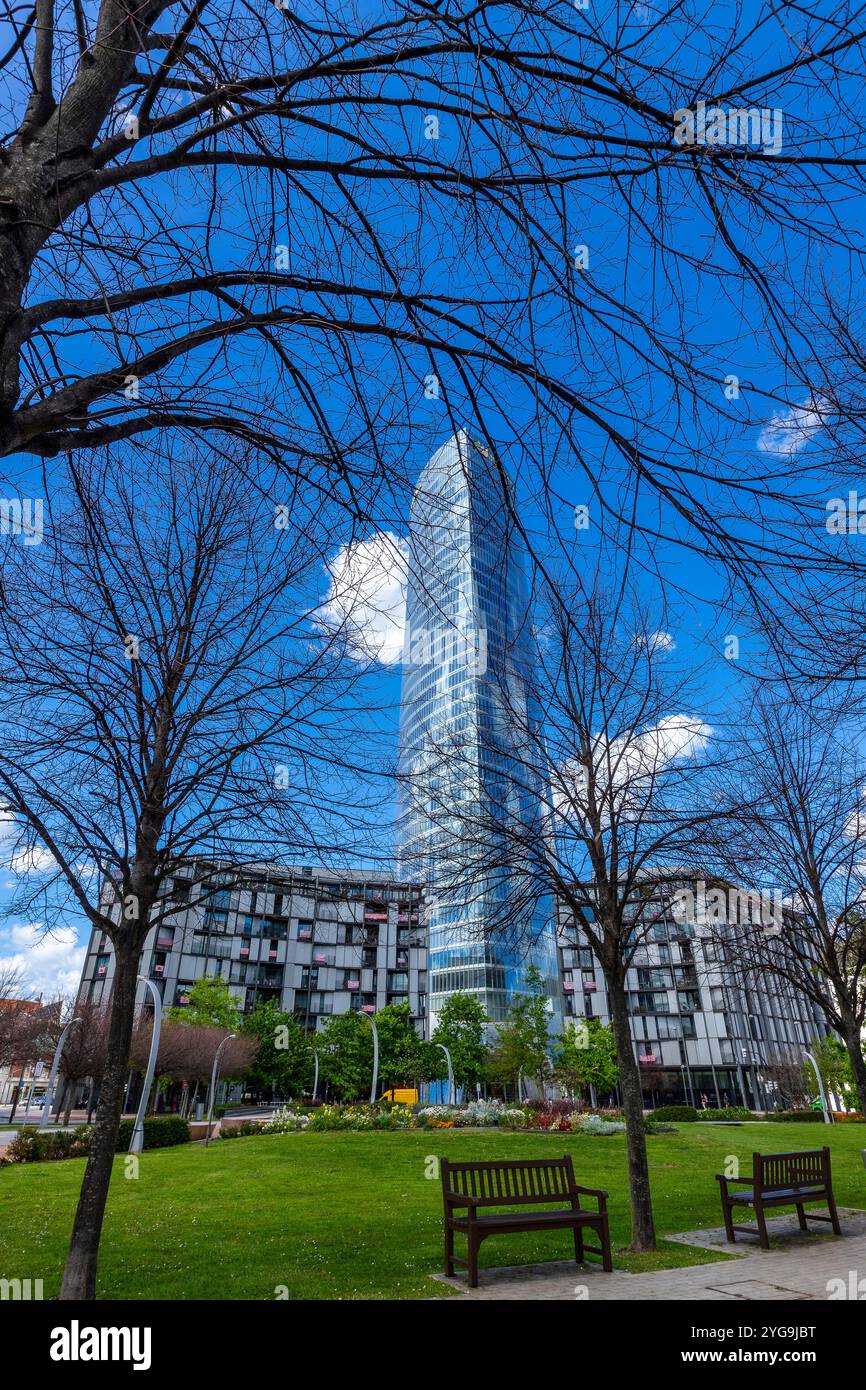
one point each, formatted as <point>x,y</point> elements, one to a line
<point>353,1215</point>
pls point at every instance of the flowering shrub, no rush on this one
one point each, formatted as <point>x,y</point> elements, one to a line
<point>482,1112</point>
<point>594,1124</point>
<point>285,1121</point>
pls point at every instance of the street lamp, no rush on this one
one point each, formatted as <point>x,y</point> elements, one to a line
<point>213,1080</point>
<point>451,1095</point>
<point>369,1018</point>
<point>824,1105</point>
<point>136,1143</point>
<point>316,1074</point>
<point>52,1075</point>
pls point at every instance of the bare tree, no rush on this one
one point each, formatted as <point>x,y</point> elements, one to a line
<point>210,215</point>
<point>186,1052</point>
<point>604,753</point>
<point>83,1056</point>
<point>166,695</point>
<point>786,1076</point>
<point>797,827</point>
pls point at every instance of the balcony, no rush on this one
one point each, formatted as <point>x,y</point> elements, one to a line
<point>568,986</point>
<point>305,934</point>
<point>353,984</point>
<point>589,986</point>
<point>648,1060</point>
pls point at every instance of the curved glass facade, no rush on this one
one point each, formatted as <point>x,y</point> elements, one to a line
<point>470,750</point>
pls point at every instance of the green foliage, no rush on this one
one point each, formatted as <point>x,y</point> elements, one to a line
<point>684,1113</point>
<point>727,1112</point>
<point>586,1056</point>
<point>284,1062</point>
<point>834,1065</point>
<point>802,1117</point>
<point>345,1048</point>
<point>32,1145</point>
<point>461,1028</point>
<point>211,1004</point>
<point>522,1038</point>
<point>160,1132</point>
<point>402,1058</point>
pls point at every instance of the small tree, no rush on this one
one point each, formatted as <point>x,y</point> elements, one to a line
<point>522,1039</point>
<point>345,1047</point>
<point>585,1056</point>
<point>211,1005</point>
<point>284,1061</point>
<point>462,1028</point>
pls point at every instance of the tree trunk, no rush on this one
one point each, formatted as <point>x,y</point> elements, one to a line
<point>79,1276</point>
<point>858,1064</point>
<point>15,1095</point>
<point>642,1228</point>
<point>59,1100</point>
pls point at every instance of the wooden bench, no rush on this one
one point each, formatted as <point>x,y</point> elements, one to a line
<point>781,1180</point>
<point>532,1182</point>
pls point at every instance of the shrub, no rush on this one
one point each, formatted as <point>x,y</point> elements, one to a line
<point>285,1121</point>
<point>727,1112</point>
<point>32,1145</point>
<point>594,1124</point>
<point>805,1117</point>
<point>684,1113</point>
<point>242,1131</point>
<point>160,1132</point>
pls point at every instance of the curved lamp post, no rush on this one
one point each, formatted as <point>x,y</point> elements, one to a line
<point>825,1107</point>
<point>370,1020</point>
<point>316,1074</point>
<point>52,1075</point>
<point>213,1080</point>
<point>136,1143</point>
<point>452,1100</point>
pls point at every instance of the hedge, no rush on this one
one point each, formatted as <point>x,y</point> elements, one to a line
<point>801,1117</point>
<point>727,1112</point>
<point>686,1113</point>
<point>160,1132</point>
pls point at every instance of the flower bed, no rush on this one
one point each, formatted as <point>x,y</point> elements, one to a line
<point>478,1114</point>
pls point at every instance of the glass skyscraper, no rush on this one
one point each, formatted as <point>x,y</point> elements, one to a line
<point>471,758</point>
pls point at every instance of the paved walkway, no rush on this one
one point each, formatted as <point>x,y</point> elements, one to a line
<point>797,1266</point>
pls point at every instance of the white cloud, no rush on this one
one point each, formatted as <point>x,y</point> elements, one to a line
<point>366,599</point>
<point>659,641</point>
<point>627,764</point>
<point>790,431</point>
<point>50,963</point>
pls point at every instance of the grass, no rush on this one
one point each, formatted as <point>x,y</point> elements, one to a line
<point>341,1215</point>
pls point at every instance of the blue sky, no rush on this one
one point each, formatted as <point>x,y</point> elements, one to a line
<point>771,434</point>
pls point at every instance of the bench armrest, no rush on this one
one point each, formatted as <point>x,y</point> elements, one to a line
<point>722,1177</point>
<point>599,1192</point>
<point>457,1199</point>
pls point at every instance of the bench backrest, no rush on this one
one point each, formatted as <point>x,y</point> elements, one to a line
<point>510,1182</point>
<point>808,1168</point>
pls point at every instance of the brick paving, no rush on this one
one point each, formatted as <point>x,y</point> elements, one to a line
<point>797,1266</point>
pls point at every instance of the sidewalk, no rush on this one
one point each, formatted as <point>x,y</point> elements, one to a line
<point>800,1266</point>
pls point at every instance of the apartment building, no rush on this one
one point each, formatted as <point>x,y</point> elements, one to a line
<point>700,1028</point>
<point>320,943</point>
<point>315,942</point>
